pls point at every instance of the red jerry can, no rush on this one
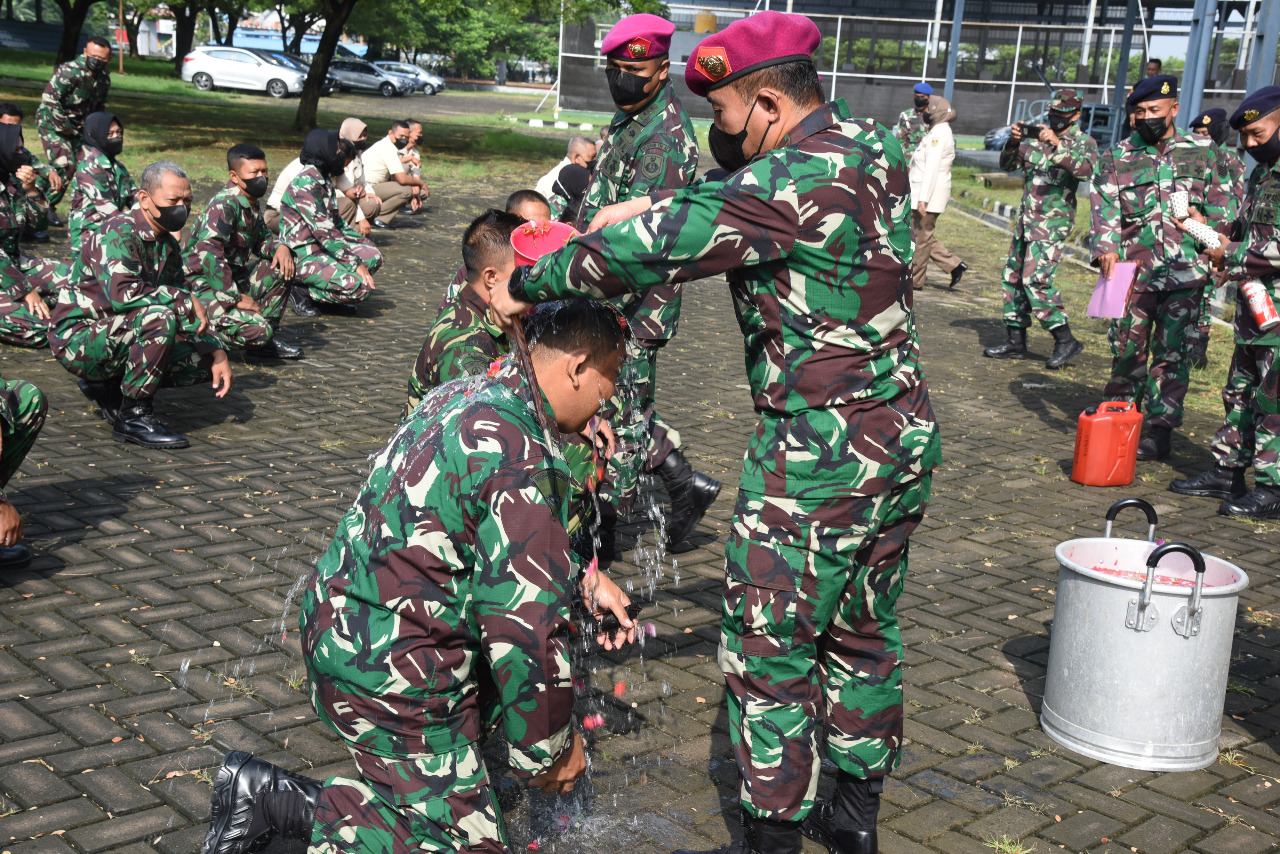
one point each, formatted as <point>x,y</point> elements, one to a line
<point>1107,445</point>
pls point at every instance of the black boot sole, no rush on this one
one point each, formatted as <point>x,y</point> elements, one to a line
<point>155,446</point>
<point>1055,364</point>
<point>1220,494</point>
<point>273,356</point>
<point>221,800</point>
<point>1257,517</point>
<point>1007,356</point>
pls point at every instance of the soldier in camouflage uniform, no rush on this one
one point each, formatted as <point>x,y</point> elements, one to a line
<point>911,128</point>
<point>78,88</point>
<point>48,180</point>
<point>1131,222</point>
<point>530,206</point>
<point>127,323</point>
<point>333,264</point>
<point>236,266</point>
<point>1212,124</point>
<point>27,284</point>
<point>22,412</point>
<point>1053,167</point>
<point>814,237</point>
<point>103,186</point>
<point>1250,435</point>
<point>452,569</point>
<point>650,147</point>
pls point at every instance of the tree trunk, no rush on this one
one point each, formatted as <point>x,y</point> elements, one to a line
<point>233,21</point>
<point>283,17</point>
<point>131,28</point>
<point>73,14</point>
<point>39,4</point>
<point>336,14</point>
<point>299,23</point>
<point>184,32</point>
<point>214,23</point>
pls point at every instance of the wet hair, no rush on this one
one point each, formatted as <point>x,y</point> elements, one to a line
<point>8,108</point>
<point>98,41</point>
<point>487,241</point>
<point>242,151</point>
<point>797,80</point>
<point>575,325</point>
<point>400,124</point>
<point>154,174</point>
<point>525,197</point>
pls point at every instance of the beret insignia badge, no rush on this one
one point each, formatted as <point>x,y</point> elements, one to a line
<point>1250,115</point>
<point>638,48</point>
<point>1164,88</point>
<point>713,63</point>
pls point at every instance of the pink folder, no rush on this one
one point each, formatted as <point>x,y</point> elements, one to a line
<point>1111,294</point>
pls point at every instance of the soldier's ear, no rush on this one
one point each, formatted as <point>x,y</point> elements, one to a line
<point>664,69</point>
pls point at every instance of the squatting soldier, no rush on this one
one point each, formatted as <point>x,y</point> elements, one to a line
<point>236,266</point>
<point>1213,125</point>
<point>25,282</point>
<point>78,88</point>
<point>48,180</point>
<point>811,226</point>
<point>1250,435</point>
<point>650,147</point>
<point>911,127</point>
<point>1053,167</point>
<point>22,411</point>
<point>332,263</point>
<point>1131,222</point>
<point>103,186</point>
<point>453,561</point>
<point>127,323</point>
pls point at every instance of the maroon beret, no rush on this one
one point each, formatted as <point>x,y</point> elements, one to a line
<point>747,45</point>
<point>638,37</point>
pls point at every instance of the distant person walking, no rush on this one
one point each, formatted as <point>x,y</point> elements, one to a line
<point>930,191</point>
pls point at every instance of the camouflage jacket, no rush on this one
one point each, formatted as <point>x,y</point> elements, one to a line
<point>462,342</point>
<point>1237,170</point>
<point>223,241</point>
<point>122,267</point>
<point>17,209</point>
<point>1254,250</point>
<point>453,556</point>
<point>910,130</point>
<point>815,239</point>
<point>1051,176</point>
<point>72,94</point>
<point>310,224</point>
<point>103,188</point>
<point>651,151</point>
<point>1131,213</point>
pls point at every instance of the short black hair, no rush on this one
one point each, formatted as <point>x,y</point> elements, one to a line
<point>242,151</point>
<point>798,80</point>
<point>8,108</point>
<point>411,122</point>
<point>1158,63</point>
<point>524,197</point>
<point>574,325</point>
<point>99,41</point>
<point>400,124</point>
<point>487,241</point>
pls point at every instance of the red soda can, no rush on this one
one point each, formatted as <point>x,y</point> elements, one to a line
<point>1264,311</point>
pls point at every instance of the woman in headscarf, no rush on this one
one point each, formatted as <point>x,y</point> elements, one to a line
<point>332,263</point>
<point>356,203</point>
<point>567,192</point>
<point>102,185</point>
<point>931,190</point>
<point>25,282</point>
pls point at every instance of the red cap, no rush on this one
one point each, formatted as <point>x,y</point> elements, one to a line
<point>749,44</point>
<point>638,37</point>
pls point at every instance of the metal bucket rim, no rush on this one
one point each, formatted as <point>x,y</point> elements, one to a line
<point>1135,584</point>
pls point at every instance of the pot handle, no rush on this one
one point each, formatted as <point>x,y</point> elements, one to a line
<point>1187,621</point>
<point>1147,509</point>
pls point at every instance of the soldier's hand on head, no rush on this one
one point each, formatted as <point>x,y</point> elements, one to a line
<point>198,312</point>
<point>283,262</point>
<point>36,304</point>
<point>560,777</point>
<point>620,212</point>
<point>602,596</point>
<point>10,524</point>
<point>221,371</point>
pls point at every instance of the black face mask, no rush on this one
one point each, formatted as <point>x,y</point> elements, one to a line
<point>362,144</point>
<point>1151,130</point>
<point>401,143</point>
<point>112,146</point>
<point>1058,124</point>
<point>922,101</point>
<point>171,217</point>
<point>256,187</point>
<point>726,148</point>
<point>1267,152</point>
<point>97,66</point>
<point>1218,132</point>
<point>626,88</point>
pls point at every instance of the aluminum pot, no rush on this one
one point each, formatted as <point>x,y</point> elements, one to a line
<point>1139,650</point>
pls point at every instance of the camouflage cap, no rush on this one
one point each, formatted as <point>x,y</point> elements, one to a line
<point>1066,101</point>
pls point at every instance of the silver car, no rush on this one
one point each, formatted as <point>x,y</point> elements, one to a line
<point>358,74</point>
<point>213,66</point>
<point>424,80</point>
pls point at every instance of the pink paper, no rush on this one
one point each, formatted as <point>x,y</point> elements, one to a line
<point>1111,294</point>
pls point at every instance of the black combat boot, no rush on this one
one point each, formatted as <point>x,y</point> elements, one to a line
<point>254,801</point>
<point>1217,482</point>
<point>1155,443</point>
<point>301,303</point>
<point>1065,347</point>
<point>846,824</point>
<point>1198,355</point>
<point>276,348</point>
<point>957,274</point>
<point>107,396</point>
<point>1014,348</point>
<point>1262,503</point>
<point>691,494</point>
<point>55,221</point>
<point>138,424</point>
<point>14,557</point>
<point>760,836</point>
<point>606,533</point>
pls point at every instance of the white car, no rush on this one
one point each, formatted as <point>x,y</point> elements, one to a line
<point>211,66</point>
<point>424,80</point>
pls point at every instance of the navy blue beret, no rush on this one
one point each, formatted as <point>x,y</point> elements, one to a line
<point>1209,117</point>
<point>1255,106</point>
<point>1154,89</point>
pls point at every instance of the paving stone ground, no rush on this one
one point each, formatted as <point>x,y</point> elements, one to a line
<point>157,627</point>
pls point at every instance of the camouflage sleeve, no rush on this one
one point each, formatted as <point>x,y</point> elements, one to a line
<point>315,207</point>
<point>99,202</point>
<point>557,203</point>
<point>263,241</point>
<point>1011,155</point>
<point>1079,157</point>
<point>521,590</point>
<point>462,358</point>
<point>1219,205</point>
<point>902,129</point>
<point>1105,210</point>
<point>112,254</point>
<point>206,260</point>
<point>55,97</point>
<point>659,164</point>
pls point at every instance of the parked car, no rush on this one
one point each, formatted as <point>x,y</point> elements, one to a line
<point>424,80</point>
<point>330,82</point>
<point>361,75</point>
<point>211,66</point>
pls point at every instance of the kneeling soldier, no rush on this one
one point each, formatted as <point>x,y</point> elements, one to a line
<point>22,411</point>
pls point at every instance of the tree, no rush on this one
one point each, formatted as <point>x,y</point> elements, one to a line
<point>335,13</point>
<point>296,17</point>
<point>74,13</point>
<point>135,12</point>
<point>186,14</point>
<point>232,10</point>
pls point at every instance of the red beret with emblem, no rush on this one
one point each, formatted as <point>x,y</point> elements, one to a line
<point>638,37</point>
<point>747,45</point>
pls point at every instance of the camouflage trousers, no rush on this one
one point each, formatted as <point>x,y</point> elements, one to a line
<point>1199,331</point>
<point>809,640</point>
<point>141,348</point>
<point>238,327</point>
<point>22,411</point>
<point>1250,435</point>
<point>435,803</point>
<point>330,280</point>
<point>1149,349</point>
<point>62,153</point>
<point>19,325</point>
<point>1027,284</point>
<point>644,439</point>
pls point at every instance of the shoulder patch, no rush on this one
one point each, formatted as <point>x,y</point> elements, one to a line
<point>652,163</point>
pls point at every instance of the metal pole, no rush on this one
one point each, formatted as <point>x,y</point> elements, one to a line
<point>1245,38</point>
<point>1199,38</point>
<point>1262,70</point>
<point>121,29</point>
<point>1013,79</point>
<point>1126,47</point>
<point>1106,72</point>
<point>957,18</point>
<point>835,59</point>
<point>1088,34</point>
<point>559,61</point>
